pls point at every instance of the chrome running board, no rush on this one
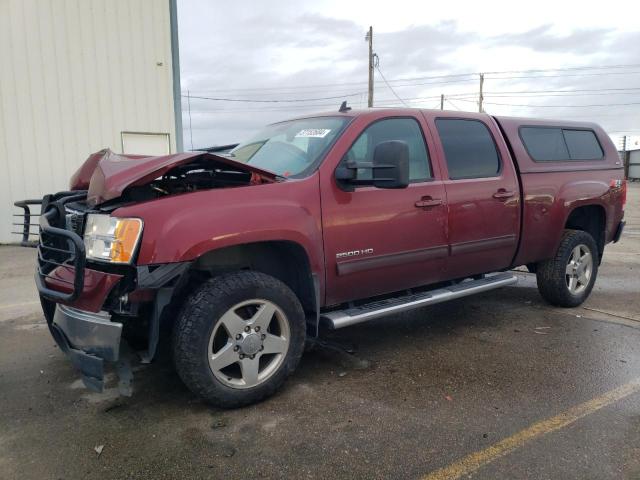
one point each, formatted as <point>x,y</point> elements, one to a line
<point>380,308</point>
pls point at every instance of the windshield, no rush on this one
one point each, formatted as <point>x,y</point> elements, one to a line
<point>290,148</point>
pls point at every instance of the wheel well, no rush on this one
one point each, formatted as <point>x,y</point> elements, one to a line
<point>590,219</point>
<point>284,260</point>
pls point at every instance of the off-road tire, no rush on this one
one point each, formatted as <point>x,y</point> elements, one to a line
<point>202,311</point>
<point>551,274</point>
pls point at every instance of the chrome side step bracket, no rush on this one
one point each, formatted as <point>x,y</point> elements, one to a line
<point>363,313</point>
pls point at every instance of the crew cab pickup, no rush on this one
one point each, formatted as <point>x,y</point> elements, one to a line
<point>238,258</point>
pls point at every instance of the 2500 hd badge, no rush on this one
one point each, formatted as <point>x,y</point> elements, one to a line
<point>355,253</point>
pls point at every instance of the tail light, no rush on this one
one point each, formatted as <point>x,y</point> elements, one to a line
<point>620,185</point>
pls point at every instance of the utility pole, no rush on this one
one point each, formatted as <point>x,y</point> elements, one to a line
<point>442,101</point>
<point>625,162</point>
<point>369,37</point>
<point>189,109</point>
<point>481,97</point>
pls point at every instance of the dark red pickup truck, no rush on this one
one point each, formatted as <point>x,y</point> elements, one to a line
<point>333,219</point>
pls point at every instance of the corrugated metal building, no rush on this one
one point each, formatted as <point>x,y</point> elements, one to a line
<point>634,164</point>
<point>77,76</point>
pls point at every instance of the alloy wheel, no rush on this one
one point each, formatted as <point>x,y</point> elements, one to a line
<point>249,343</point>
<point>579,269</point>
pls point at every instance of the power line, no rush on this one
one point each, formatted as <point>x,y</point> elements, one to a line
<point>329,85</point>
<point>255,100</point>
<point>539,93</point>
<point>617,115</point>
<point>558,106</point>
<point>564,69</point>
<point>565,75</point>
<point>390,88</point>
<point>609,94</point>
<point>389,82</point>
<point>265,91</point>
<point>452,82</point>
<point>469,98</point>
<point>452,104</point>
<point>525,94</point>
<point>532,93</point>
<point>453,76</point>
<point>278,108</point>
<point>389,103</point>
<point>316,107</point>
<point>262,93</point>
<point>338,84</point>
<point>563,91</point>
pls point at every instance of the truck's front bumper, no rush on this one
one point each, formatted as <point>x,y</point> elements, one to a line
<point>89,339</point>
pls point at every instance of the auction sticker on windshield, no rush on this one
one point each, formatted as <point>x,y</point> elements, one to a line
<point>313,133</point>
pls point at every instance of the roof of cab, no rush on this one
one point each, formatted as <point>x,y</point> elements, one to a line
<point>391,111</point>
<point>503,120</point>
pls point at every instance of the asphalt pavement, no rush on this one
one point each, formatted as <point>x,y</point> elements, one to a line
<point>496,386</point>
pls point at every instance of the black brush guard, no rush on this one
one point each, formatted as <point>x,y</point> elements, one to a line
<point>58,245</point>
<point>26,224</point>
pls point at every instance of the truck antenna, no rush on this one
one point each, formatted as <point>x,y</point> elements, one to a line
<point>343,108</point>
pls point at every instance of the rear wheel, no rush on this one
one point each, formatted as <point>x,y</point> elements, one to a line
<point>567,279</point>
<point>238,337</point>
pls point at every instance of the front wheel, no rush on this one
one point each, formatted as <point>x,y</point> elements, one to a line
<point>567,279</point>
<point>238,337</point>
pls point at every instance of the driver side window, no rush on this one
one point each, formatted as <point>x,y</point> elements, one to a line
<point>404,129</point>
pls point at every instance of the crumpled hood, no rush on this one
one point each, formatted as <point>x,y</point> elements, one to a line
<point>107,174</point>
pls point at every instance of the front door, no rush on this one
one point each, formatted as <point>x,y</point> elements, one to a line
<point>383,240</point>
<point>482,195</point>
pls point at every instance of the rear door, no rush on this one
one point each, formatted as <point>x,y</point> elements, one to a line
<point>383,240</point>
<point>482,194</point>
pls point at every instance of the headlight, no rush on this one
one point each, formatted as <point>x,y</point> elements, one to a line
<point>111,239</point>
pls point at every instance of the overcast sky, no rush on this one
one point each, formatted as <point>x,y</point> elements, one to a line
<point>307,51</point>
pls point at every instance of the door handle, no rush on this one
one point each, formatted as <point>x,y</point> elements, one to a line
<point>502,194</point>
<point>427,202</point>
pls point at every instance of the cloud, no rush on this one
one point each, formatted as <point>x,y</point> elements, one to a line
<point>279,51</point>
<point>421,48</point>
<point>543,39</point>
<point>295,51</point>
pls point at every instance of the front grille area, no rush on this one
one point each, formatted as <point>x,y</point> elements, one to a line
<point>74,221</point>
<point>54,250</point>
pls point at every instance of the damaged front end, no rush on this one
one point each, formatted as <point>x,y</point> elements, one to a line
<point>99,305</point>
<point>72,294</point>
<point>130,178</point>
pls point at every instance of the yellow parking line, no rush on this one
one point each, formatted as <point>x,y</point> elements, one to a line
<point>474,461</point>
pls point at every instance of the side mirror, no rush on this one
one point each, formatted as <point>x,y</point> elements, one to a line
<point>391,165</point>
<point>390,168</point>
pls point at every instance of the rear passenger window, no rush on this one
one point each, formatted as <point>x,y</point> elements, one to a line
<point>582,145</point>
<point>555,144</point>
<point>469,148</point>
<point>545,144</point>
